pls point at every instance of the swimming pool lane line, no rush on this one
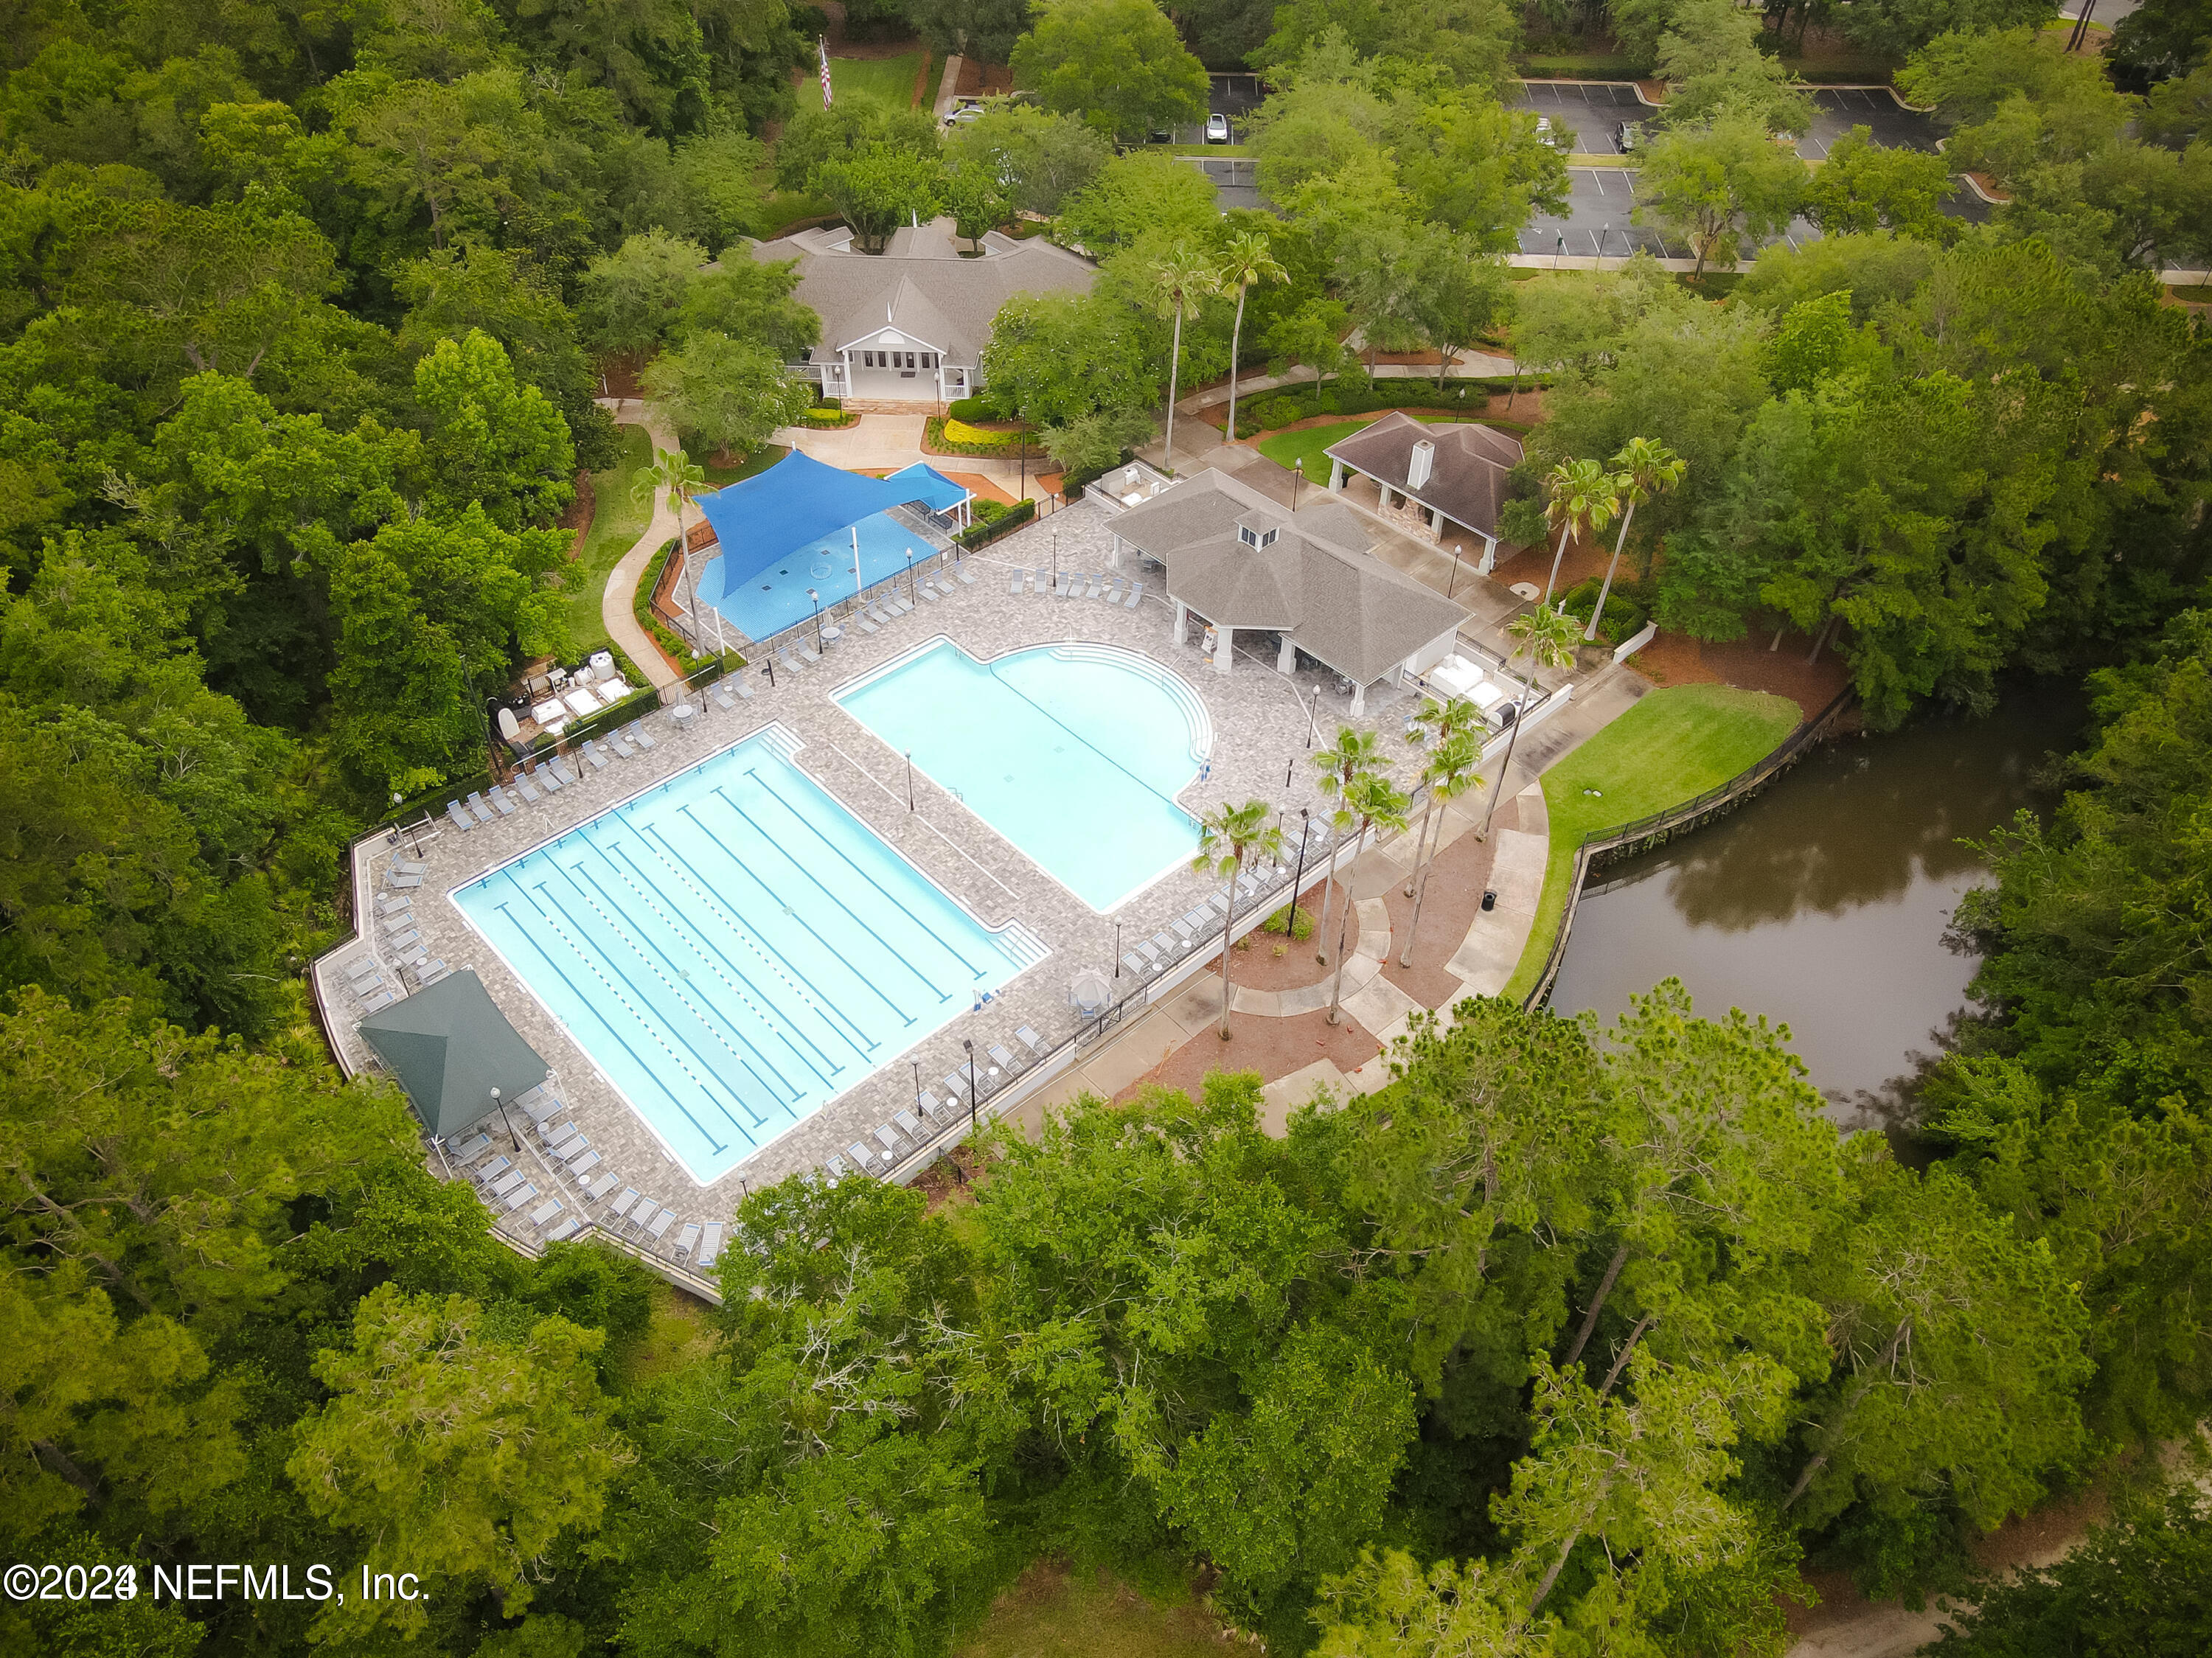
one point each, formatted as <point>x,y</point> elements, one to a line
<point>746,870</point>
<point>658,963</point>
<point>628,936</point>
<point>662,1028</point>
<point>681,868</point>
<point>889,949</point>
<point>621,1040</point>
<point>927,928</point>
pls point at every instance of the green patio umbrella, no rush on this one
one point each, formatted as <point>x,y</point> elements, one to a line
<point>450,1048</point>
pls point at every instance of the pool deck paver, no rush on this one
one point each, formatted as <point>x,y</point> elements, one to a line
<point>1260,719</point>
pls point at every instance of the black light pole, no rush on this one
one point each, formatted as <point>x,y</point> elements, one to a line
<point>817,597</point>
<point>1298,477</point>
<point>972,1129</point>
<point>909,574</point>
<point>1117,950</point>
<point>917,1080</point>
<point>910,786</point>
<point>1453,588</point>
<point>1305,829</point>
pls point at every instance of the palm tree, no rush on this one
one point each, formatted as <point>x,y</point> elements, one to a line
<point>1643,469</point>
<point>1351,755</point>
<point>675,471</point>
<point>1249,260</point>
<point>1447,719</point>
<point>1227,836</point>
<point>1583,497</point>
<point>1372,801</point>
<point>1449,774</point>
<point>1546,638</point>
<point>1183,279</point>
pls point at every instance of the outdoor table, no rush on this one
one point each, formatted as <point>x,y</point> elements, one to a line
<point>832,633</point>
<point>682,713</point>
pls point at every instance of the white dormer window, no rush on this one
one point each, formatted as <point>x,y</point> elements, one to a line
<point>1252,537</point>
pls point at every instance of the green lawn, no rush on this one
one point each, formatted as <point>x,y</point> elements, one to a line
<point>616,523</point>
<point>886,80</point>
<point>1675,744</point>
<point>1306,445</point>
<point>1055,1612</point>
<point>759,461</point>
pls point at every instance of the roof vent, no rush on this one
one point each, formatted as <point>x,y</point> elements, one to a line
<point>1423,462</point>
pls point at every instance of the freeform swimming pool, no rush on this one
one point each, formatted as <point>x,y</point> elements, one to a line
<point>732,948</point>
<point>776,598</point>
<point>1074,753</point>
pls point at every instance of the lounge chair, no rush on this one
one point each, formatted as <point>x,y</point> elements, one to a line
<point>575,1149</point>
<point>569,1227</point>
<point>507,1182</point>
<point>492,1170</point>
<point>361,964</point>
<point>927,592</point>
<point>599,1188</point>
<point>1003,1057</point>
<point>548,778</point>
<point>621,1206</point>
<point>1111,592</point>
<point>429,970</point>
<point>644,738</point>
<point>396,924</point>
<point>1077,580</point>
<point>863,1158</point>
<point>503,802</point>
<point>1135,964</point>
<point>483,813</point>
<point>594,753</point>
<point>1029,1039</point>
<point>404,882</point>
<point>620,745</point>
<point>930,1107</point>
<point>809,652</point>
<point>409,866</point>
<point>863,623</point>
<point>1181,928</point>
<point>888,1137</point>
<point>545,1211</point>
<point>403,940</point>
<point>661,1223</point>
<point>539,1104</point>
<point>687,1240</point>
<point>836,1167</point>
<point>1150,951</point>
<point>521,1194</point>
<point>641,1216</point>
<point>1136,592</point>
<point>582,1166</point>
<point>387,904</point>
<point>909,1124</point>
<point>367,985</point>
<point>710,1245</point>
<point>962,574</point>
<point>562,769</point>
<point>721,693</point>
<point>470,1147</point>
<point>791,665</point>
<point>526,788</point>
<point>377,1003</point>
<point>1015,585</point>
<point>461,821</point>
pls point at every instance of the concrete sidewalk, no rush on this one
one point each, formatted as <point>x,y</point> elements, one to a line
<point>616,611</point>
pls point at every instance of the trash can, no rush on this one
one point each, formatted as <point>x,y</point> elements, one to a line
<point>1489,900</point>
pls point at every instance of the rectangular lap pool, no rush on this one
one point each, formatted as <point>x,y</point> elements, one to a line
<point>1074,753</point>
<point>732,948</point>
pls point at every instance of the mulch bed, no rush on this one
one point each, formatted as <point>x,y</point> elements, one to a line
<point>1273,1048</point>
<point>1746,664</point>
<point>1452,899</point>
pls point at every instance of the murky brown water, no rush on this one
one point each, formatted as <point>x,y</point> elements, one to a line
<point>1825,903</point>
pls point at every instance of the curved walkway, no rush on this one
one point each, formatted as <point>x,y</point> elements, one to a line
<point>616,603</point>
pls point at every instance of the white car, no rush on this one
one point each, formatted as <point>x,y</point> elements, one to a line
<point>1544,133</point>
<point>964,114</point>
<point>1217,129</point>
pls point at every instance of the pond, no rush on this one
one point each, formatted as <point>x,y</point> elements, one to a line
<point>1825,903</point>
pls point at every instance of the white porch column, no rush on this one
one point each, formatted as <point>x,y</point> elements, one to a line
<point>1436,521</point>
<point>1382,496</point>
<point>1182,621</point>
<point>1488,561</point>
<point>1335,474</point>
<point>1359,701</point>
<point>1223,642</point>
<point>1286,659</point>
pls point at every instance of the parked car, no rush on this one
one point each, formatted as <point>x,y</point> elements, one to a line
<point>964,114</point>
<point>1628,136</point>
<point>1162,135</point>
<point>1545,134</point>
<point>1217,129</point>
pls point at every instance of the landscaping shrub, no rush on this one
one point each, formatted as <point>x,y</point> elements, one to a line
<point>987,510</point>
<point>968,408</point>
<point>1624,617</point>
<point>1276,410</point>
<point>949,436</point>
<point>828,419</point>
<point>1003,522</point>
<point>663,635</point>
<point>1303,924</point>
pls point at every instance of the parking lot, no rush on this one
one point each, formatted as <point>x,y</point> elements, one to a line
<point>1585,113</point>
<point>1233,95</point>
<point>1837,110</point>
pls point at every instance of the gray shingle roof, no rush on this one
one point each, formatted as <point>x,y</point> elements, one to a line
<point>1468,484</point>
<point>1318,581</point>
<point>936,295</point>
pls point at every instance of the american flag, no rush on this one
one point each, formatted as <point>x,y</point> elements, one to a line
<point>821,45</point>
